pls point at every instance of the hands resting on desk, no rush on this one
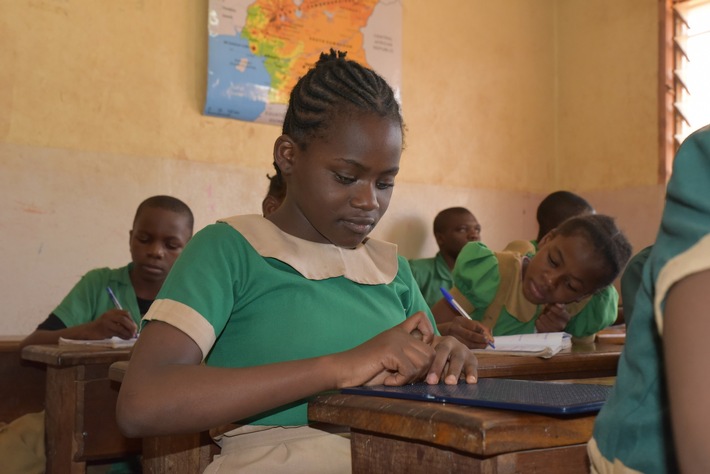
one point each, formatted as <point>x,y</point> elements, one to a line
<point>207,396</point>
<point>402,358</point>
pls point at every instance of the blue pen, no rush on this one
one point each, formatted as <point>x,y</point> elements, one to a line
<point>113,298</point>
<point>116,303</point>
<point>459,309</point>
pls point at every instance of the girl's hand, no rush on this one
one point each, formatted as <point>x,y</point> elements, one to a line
<point>554,318</point>
<point>453,359</point>
<point>114,322</point>
<point>472,333</point>
<point>397,356</point>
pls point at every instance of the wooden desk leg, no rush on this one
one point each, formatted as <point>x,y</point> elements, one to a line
<point>61,410</point>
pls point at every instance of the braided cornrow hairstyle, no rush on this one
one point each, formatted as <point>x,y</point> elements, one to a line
<point>334,86</point>
<point>609,242</point>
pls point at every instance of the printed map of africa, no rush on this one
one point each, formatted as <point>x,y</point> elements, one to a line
<point>259,48</point>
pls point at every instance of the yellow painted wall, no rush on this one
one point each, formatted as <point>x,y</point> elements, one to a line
<point>124,77</point>
<point>607,70</point>
<point>100,107</point>
<point>479,93</point>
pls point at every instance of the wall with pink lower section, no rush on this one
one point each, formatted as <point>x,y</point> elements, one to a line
<point>100,107</point>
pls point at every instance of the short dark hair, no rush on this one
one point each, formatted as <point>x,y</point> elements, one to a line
<point>609,242</point>
<point>557,207</point>
<point>168,203</point>
<point>446,213</point>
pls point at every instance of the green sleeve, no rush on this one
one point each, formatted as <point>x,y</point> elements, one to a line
<point>87,300</point>
<point>600,312</point>
<point>631,281</point>
<point>476,274</point>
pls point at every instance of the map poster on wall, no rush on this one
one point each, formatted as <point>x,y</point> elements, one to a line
<point>258,49</point>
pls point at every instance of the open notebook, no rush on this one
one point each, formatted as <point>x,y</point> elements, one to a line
<point>544,344</point>
<point>553,398</point>
<point>112,342</point>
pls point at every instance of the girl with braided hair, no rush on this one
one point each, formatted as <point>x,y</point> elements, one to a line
<point>283,307</point>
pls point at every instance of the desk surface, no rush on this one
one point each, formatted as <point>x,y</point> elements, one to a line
<point>72,355</point>
<point>408,436</point>
<point>478,431</point>
<point>579,361</point>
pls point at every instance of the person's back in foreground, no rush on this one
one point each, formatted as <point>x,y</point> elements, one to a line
<point>283,307</point>
<point>657,419</point>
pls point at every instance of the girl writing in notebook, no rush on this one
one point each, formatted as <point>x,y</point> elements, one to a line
<point>505,292</point>
<point>302,301</point>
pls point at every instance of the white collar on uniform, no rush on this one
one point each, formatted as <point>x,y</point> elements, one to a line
<point>373,262</point>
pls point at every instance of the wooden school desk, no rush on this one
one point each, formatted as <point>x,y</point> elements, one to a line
<point>80,406</point>
<point>579,361</point>
<point>409,436</point>
<point>190,454</point>
<point>21,383</point>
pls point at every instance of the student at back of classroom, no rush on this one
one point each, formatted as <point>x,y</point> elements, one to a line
<point>453,228</point>
<point>161,228</point>
<point>552,211</point>
<point>505,292</point>
<point>282,307</point>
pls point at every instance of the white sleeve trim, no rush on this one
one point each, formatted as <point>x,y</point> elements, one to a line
<point>693,260</point>
<point>185,319</point>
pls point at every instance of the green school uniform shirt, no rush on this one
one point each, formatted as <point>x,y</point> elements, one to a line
<point>249,294</point>
<point>89,299</point>
<point>431,274</point>
<point>633,427</point>
<point>477,277</point>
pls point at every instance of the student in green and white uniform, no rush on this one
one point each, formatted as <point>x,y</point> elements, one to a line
<point>260,313</point>
<point>504,292</point>
<point>656,419</point>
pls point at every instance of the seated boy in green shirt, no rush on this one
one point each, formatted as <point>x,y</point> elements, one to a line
<point>453,228</point>
<point>161,228</point>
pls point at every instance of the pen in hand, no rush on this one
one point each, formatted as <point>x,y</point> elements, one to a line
<point>459,309</point>
<point>116,303</point>
<point>113,298</point>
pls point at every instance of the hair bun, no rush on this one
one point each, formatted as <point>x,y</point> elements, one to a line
<point>333,55</point>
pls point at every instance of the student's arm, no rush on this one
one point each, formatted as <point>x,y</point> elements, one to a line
<point>112,323</point>
<point>553,318</point>
<point>443,312</point>
<point>686,325</point>
<point>205,397</point>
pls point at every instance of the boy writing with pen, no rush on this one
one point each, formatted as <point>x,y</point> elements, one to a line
<point>110,302</point>
<point>103,304</point>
